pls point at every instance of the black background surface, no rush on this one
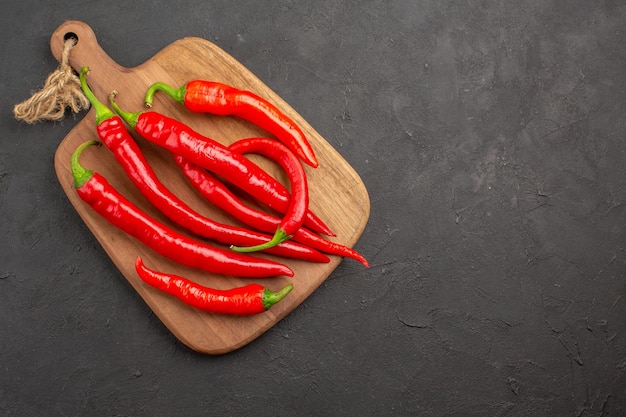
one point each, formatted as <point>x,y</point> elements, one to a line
<point>490,136</point>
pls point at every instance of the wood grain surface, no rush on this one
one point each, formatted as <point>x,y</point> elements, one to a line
<point>337,194</point>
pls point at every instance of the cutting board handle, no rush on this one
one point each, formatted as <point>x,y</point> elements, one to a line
<point>87,47</point>
<point>86,51</point>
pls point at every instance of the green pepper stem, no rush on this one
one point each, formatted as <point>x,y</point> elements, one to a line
<point>130,118</point>
<point>270,298</point>
<point>102,112</point>
<point>81,174</point>
<point>177,94</point>
<point>279,237</point>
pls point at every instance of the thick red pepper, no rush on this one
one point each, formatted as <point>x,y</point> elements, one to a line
<point>180,139</point>
<point>299,201</point>
<point>112,132</point>
<point>241,301</point>
<point>216,192</point>
<point>96,191</point>
<point>202,96</point>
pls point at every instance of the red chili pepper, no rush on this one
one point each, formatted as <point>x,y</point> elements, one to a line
<point>112,132</point>
<point>96,191</point>
<point>219,195</point>
<point>241,301</point>
<point>202,96</point>
<point>180,139</point>
<point>299,201</point>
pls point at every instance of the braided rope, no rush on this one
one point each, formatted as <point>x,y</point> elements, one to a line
<point>60,91</point>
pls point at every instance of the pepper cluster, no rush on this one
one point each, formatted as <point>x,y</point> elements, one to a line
<point>202,161</point>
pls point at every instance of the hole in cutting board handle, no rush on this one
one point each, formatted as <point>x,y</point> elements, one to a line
<point>70,35</point>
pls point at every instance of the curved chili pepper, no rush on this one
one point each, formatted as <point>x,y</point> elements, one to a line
<point>241,301</point>
<point>299,201</point>
<point>112,132</point>
<point>202,96</point>
<point>215,192</point>
<point>180,139</point>
<point>96,191</point>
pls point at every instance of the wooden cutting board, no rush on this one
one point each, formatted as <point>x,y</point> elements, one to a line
<point>337,194</point>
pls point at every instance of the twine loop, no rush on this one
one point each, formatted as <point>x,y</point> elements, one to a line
<point>61,90</point>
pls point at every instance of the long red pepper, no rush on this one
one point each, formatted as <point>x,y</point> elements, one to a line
<point>240,301</point>
<point>112,132</point>
<point>201,96</point>
<point>96,191</point>
<point>216,192</point>
<point>299,201</point>
<point>180,139</point>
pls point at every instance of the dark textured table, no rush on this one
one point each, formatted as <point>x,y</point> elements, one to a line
<point>490,136</point>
